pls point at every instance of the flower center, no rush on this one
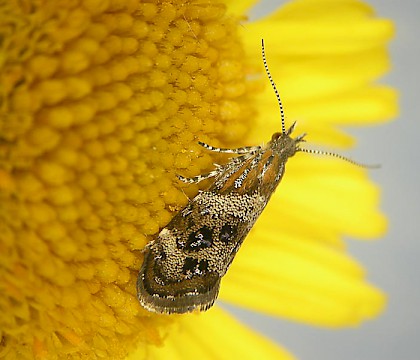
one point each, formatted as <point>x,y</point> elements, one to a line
<point>102,104</point>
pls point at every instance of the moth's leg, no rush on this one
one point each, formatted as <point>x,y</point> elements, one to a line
<point>198,178</point>
<point>241,150</point>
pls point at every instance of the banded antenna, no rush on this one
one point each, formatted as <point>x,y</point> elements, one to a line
<point>338,156</point>
<point>283,126</point>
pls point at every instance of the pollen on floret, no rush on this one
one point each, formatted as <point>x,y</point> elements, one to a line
<point>74,62</point>
<point>59,117</point>
<point>43,66</point>
<point>53,173</point>
<point>43,138</point>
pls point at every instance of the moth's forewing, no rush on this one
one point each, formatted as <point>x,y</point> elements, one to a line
<point>182,268</point>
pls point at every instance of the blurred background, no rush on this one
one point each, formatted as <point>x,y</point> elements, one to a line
<point>393,263</point>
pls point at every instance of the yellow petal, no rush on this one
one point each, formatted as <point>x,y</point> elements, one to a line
<point>311,79</point>
<point>240,7</point>
<point>347,27</point>
<point>341,196</point>
<point>215,335</point>
<point>309,9</point>
<point>291,277</point>
<point>364,106</point>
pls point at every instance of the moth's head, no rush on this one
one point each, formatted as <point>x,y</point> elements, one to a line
<point>276,136</point>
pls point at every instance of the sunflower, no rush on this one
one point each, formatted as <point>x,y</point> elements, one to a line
<point>102,103</point>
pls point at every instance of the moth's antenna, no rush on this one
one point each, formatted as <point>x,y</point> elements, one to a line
<point>283,127</point>
<point>338,156</point>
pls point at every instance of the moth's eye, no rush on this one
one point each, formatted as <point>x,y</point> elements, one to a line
<point>275,136</point>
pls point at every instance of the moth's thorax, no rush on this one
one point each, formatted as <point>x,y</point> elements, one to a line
<point>283,145</point>
<point>259,171</point>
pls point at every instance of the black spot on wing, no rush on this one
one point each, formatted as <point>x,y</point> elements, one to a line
<point>200,239</point>
<point>194,266</point>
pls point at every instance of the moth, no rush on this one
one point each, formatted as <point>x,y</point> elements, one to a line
<point>184,265</point>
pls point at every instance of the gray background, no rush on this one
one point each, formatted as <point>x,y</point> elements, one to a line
<point>392,263</point>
